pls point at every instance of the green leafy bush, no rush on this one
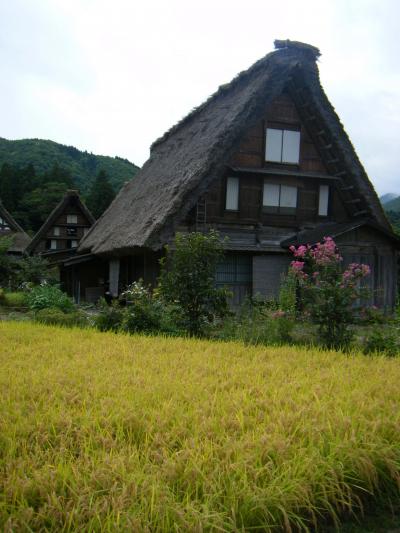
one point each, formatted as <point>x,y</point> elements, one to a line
<point>49,296</point>
<point>382,340</point>
<point>56,316</point>
<point>143,312</point>
<point>257,323</point>
<point>109,317</point>
<point>187,280</point>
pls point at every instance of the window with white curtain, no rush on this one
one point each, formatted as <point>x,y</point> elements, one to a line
<point>278,198</point>
<point>232,194</point>
<point>72,219</point>
<point>323,201</point>
<point>282,146</point>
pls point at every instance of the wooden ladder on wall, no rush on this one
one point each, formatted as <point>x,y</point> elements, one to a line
<point>201,214</point>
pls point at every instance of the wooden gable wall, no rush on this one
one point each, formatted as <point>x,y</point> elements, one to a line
<point>250,156</point>
<point>68,232</point>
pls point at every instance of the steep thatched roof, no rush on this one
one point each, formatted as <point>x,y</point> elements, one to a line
<point>70,197</point>
<point>20,239</point>
<point>190,155</point>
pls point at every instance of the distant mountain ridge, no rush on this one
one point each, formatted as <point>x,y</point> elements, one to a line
<point>392,205</point>
<point>389,196</point>
<point>83,166</point>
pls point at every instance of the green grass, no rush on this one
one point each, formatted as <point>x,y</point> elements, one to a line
<point>14,299</point>
<point>105,432</point>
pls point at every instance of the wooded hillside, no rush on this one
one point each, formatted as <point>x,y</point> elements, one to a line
<point>82,166</point>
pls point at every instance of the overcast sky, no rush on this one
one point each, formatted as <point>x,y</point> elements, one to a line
<point>111,76</point>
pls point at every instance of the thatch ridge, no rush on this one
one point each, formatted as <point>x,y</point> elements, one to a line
<point>185,160</point>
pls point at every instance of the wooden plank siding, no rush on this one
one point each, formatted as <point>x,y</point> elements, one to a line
<point>251,155</point>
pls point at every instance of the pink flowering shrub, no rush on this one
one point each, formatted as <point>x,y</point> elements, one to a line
<point>328,293</point>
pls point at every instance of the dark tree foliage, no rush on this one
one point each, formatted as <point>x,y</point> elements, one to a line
<point>394,219</point>
<point>101,195</point>
<point>83,166</point>
<point>5,261</point>
<point>30,197</point>
<point>187,280</point>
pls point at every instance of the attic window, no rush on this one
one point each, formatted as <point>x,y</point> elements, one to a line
<point>282,146</point>
<point>281,199</point>
<point>323,201</point>
<point>72,219</point>
<point>232,194</point>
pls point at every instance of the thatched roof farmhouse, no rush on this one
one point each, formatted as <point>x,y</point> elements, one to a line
<point>266,161</point>
<point>9,227</point>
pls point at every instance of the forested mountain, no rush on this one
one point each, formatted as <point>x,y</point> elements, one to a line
<point>83,167</point>
<point>393,205</point>
<point>385,198</point>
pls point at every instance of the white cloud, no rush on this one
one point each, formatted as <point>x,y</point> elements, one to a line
<point>112,77</point>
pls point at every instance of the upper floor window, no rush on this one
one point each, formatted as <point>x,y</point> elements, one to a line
<point>323,201</point>
<point>72,244</point>
<point>72,219</point>
<point>56,231</point>
<point>72,232</point>
<point>280,199</point>
<point>282,146</point>
<point>232,194</point>
<point>51,244</point>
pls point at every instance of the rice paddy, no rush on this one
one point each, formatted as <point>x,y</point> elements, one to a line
<point>106,432</point>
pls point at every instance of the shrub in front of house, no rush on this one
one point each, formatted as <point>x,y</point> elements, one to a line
<point>57,317</point>
<point>49,296</point>
<point>328,293</point>
<point>187,280</point>
<point>15,300</point>
<point>109,317</point>
<point>382,341</point>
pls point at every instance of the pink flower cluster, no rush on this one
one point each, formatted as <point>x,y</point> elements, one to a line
<point>354,272</point>
<point>323,253</point>
<point>301,251</point>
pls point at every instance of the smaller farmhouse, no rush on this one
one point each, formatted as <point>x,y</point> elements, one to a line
<point>9,227</point>
<point>61,233</point>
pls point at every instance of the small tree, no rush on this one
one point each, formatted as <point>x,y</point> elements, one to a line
<point>101,194</point>
<point>187,279</point>
<point>328,293</point>
<point>32,270</point>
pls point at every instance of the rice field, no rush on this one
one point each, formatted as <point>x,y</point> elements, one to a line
<point>106,432</point>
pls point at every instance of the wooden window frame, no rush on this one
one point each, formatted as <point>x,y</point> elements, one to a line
<point>226,195</point>
<point>282,128</point>
<point>279,209</point>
